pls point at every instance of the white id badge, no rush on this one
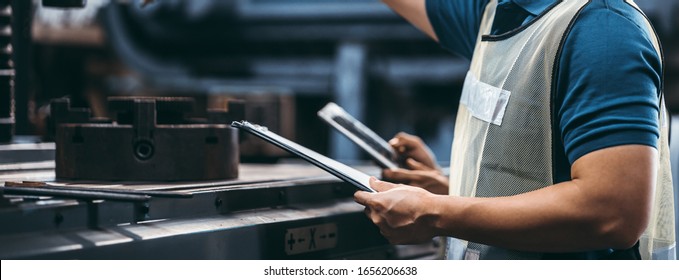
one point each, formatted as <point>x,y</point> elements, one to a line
<point>483,101</point>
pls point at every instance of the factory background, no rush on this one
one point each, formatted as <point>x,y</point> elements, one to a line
<point>295,54</point>
<point>280,61</point>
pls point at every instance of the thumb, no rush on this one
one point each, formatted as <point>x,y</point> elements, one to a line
<point>380,186</point>
<point>362,197</point>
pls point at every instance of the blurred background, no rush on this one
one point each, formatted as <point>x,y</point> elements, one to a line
<point>279,60</point>
<point>286,59</point>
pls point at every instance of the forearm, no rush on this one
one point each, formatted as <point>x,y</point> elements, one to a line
<point>415,12</point>
<point>535,221</point>
<point>589,213</point>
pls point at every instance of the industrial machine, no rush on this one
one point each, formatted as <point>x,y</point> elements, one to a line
<point>154,181</point>
<point>151,139</point>
<point>270,212</point>
<point>153,184</point>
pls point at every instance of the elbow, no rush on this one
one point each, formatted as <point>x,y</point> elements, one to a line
<point>623,231</point>
<point>623,222</point>
<point>621,240</point>
<point>615,189</point>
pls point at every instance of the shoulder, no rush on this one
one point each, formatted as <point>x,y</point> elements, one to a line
<point>605,22</point>
<point>609,79</point>
<point>611,35</point>
<point>456,23</point>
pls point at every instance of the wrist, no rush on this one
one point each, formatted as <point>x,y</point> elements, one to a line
<point>434,215</point>
<point>447,215</point>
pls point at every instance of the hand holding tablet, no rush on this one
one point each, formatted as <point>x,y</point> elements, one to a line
<point>369,141</point>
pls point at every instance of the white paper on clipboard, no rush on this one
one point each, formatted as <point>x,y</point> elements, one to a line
<point>348,174</point>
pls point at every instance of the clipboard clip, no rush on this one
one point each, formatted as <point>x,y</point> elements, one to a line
<point>239,124</point>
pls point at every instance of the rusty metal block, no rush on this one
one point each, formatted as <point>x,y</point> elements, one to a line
<point>150,139</point>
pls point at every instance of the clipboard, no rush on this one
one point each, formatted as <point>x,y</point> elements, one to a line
<point>378,149</point>
<point>348,174</point>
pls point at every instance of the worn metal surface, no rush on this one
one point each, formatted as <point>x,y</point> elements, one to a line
<point>259,234</point>
<point>273,109</point>
<point>282,211</point>
<point>98,193</point>
<point>26,152</point>
<point>73,194</point>
<point>151,139</point>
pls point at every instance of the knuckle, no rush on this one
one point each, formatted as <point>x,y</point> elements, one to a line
<point>377,206</point>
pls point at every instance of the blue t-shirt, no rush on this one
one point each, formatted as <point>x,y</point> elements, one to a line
<point>609,75</point>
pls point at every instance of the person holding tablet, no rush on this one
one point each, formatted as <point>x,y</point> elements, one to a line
<point>561,138</point>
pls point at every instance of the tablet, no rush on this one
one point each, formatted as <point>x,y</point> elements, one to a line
<point>378,149</point>
<point>350,175</point>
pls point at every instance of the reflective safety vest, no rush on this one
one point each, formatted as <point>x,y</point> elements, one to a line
<point>503,132</point>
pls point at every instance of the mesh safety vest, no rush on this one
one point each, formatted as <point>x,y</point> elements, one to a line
<point>503,132</point>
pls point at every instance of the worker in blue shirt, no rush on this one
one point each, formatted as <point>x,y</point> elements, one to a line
<point>560,147</point>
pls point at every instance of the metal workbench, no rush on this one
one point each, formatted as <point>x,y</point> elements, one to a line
<point>278,211</point>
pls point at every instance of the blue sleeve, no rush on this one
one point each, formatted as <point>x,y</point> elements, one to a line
<point>608,84</point>
<point>456,23</point>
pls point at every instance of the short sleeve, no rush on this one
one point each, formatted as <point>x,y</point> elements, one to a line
<point>608,84</point>
<point>456,23</point>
